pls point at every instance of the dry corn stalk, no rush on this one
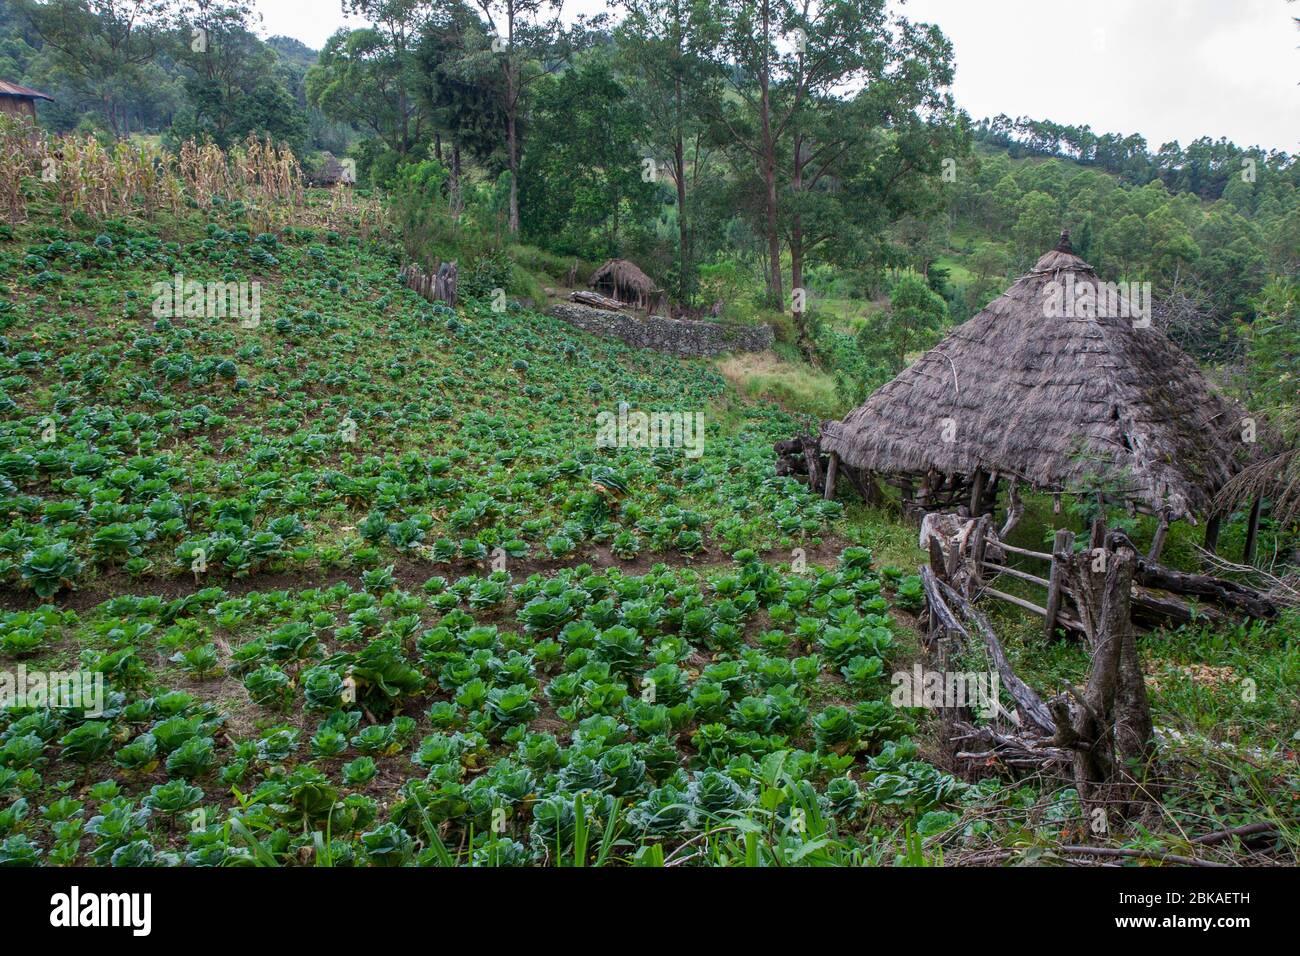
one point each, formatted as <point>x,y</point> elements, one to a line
<point>22,150</point>
<point>82,176</point>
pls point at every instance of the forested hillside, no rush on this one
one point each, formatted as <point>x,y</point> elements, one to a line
<point>642,136</point>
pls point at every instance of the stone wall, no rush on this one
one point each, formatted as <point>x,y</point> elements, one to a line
<point>674,336</point>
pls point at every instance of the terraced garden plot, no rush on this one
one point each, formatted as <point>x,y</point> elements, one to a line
<point>354,424</point>
<point>589,712</point>
<point>276,545</point>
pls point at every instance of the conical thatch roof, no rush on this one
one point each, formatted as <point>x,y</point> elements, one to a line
<point>624,281</point>
<point>1050,400</point>
<point>331,171</point>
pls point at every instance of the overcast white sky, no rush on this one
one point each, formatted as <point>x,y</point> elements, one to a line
<point>1168,69</point>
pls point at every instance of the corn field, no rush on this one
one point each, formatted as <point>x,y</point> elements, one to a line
<point>21,153</point>
<point>262,175</point>
<point>343,209</point>
<point>80,175</point>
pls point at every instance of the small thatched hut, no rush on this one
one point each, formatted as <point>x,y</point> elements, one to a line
<point>332,172</point>
<point>622,280</point>
<point>20,101</point>
<point>1022,393</point>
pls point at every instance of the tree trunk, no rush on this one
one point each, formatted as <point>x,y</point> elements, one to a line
<point>773,240</point>
<point>679,160</point>
<point>455,181</point>
<point>513,147</point>
<point>110,113</point>
<point>1108,724</point>
<point>798,308</point>
<point>405,144</point>
<point>512,117</point>
<point>683,242</point>
<point>769,176</point>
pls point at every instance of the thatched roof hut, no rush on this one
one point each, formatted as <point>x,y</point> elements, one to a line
<point>1018,392</point>
<point>622,280</point>
<point>332,172</point>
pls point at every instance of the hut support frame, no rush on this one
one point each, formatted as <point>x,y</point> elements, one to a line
<point>1252,532</point>
<point>1159,593</point>
<point>1102,735</point>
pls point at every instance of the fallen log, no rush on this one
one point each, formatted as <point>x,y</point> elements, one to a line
<point>1215,590</point>
<point>1022,751</point>
<point>801,456</point>
<point>1131,854</point>
<point>1241,832</point>
<point>1152,609</point>
<point>1219,591</point>
<point>596,300</point>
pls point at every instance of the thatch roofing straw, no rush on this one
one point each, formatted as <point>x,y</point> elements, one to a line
<point>331,171</point>
<point>1050,401</point>
<point>625,280</point>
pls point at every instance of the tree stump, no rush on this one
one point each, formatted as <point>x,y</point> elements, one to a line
<point>444,285</point>
<point>1108,723</point>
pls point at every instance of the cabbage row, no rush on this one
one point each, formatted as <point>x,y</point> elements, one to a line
<point>590,714</point>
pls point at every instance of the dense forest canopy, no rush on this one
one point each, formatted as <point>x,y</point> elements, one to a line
<point>706,138</point>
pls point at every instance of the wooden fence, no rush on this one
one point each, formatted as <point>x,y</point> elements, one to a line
<point>436,287</point>
<point>976,559</point>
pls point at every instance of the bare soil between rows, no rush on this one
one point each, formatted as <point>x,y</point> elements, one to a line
<point>410,573</point>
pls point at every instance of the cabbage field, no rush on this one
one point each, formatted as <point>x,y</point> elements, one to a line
<point>363,590</point>
<point>360,586</point>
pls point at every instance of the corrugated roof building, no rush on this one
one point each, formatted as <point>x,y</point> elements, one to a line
<point>18,100</point>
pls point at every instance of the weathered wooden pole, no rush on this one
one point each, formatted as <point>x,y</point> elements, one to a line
<point>874,496</point>
<point>989,503</point>
<point>832,470</point>
<point>923,494</point>
<point>1098,539</point>
<point>1212,533</point>
<point>979,540</point>
<point>1062,551</point>
<point>1252,532</point>
<point>1015,508</point>
<point>1158,542</point>
<point>812,455</point>
<point>976,492</point>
